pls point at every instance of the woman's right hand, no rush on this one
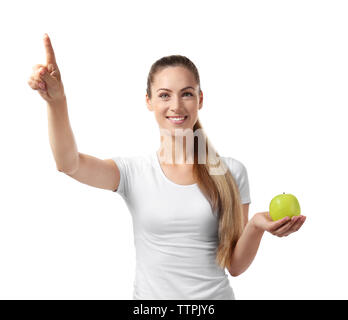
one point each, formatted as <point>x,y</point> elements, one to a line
<point>46,79</point>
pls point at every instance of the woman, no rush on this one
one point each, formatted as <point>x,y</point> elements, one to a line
<point>189,205</point>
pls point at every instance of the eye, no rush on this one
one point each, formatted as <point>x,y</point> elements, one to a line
<point>165,94</point>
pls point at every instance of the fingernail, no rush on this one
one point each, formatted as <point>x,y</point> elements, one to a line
<point>42,85</point>
<point>42,71</point>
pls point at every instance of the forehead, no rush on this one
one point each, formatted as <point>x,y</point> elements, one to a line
<point>174,78</point>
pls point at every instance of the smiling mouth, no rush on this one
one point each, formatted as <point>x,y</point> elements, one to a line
<point>177,120</point>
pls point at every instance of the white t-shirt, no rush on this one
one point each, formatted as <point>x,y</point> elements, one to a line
<point>175,232</point>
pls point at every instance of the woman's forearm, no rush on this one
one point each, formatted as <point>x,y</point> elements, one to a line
<point>245,249</point>
<point>61,136</point>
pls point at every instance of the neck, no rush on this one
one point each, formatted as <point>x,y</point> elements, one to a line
<point>174,150</point>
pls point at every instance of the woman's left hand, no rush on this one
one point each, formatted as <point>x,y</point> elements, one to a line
<point>280,228</point>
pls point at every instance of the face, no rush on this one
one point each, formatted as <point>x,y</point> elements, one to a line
<point>175,94</point>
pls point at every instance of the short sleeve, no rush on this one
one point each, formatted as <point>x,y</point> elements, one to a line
<point>240,174</point>
<point>243,184</point>
<point>124,168</point>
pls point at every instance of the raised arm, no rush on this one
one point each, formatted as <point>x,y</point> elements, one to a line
<point>46,79</point>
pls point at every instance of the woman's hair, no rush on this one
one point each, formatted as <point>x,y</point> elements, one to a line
<point>221,190</point>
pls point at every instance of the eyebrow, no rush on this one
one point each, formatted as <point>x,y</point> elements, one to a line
<point>180,90</point>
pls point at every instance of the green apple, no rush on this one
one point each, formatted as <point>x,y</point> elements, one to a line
<point>284,205</point>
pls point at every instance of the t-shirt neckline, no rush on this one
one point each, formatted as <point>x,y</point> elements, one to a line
<point>194,185</point>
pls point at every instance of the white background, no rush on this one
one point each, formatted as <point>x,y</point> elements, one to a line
<point>274,78</point>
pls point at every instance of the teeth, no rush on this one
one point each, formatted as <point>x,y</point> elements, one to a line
<point>177,119</point>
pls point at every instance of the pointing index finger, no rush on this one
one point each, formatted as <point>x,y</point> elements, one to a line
<point>50,57</point>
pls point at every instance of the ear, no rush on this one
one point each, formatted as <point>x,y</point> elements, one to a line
<point>148,102</point>
<point>200,100</point>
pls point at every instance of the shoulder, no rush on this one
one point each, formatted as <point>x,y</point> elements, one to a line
<point>134,162</point>
<point>236,166</point>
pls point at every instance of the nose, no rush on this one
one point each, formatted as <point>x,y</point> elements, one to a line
<point>176,105</point>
